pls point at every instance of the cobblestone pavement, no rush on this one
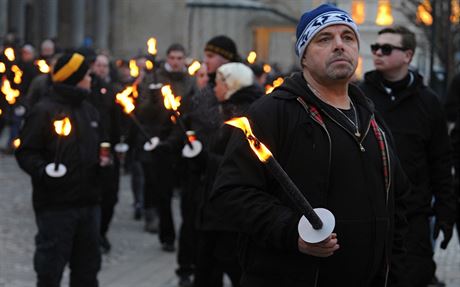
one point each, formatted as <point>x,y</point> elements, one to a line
<point>136,259</point>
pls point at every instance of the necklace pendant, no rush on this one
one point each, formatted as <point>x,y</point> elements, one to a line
<point>358,134</point>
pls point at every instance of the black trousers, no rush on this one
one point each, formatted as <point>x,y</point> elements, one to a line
<point>186,254</point>
<point>420,266</point>
<point>158,189</point>
<point>109,186</point>
<point>68,236</point>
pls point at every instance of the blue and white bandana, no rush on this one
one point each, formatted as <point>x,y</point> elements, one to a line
<point>316,20</point>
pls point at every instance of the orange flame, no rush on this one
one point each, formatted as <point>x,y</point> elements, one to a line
<point>16,143</point>
<point>358,11</point>
<point>262,152</point>
<point>9,53</point>
<point>63,127</point>
<point>170,101</point>
<point>152,46</point>
<point>267,68</point>
<point>194,67</point>
<point>149,65</point>
<point>133,68</point>
<point>10,93</point>
<point>276,83</point>
<point>2,67</point>
<point>17,74</point>
<point>424,13</point>
<point>1,112</point>
<point>384,16</point>
<point>43,66</point>
<point>252,57</point>
<point>125,101</point>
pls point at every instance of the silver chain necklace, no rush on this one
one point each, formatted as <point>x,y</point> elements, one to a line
<point>355,125</point>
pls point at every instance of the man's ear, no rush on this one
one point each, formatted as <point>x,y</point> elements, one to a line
<point>409,56</point>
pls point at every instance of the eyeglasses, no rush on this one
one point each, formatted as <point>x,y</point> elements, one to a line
<point>386,49</point>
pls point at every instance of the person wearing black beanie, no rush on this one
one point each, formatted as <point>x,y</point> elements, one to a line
<point>66,207</point>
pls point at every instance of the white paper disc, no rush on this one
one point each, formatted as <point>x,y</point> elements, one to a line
<point>311,235</point>
<point>188,152</point>
<point>19,111</point>
<point>51,171</point>
<point>152,144</point>
<point>121,147</point>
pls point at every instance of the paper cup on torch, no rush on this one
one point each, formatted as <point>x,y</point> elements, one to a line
<point>62,129</point>
<point>316,224</point>
<point>195,147</point>
<point>151,144</point>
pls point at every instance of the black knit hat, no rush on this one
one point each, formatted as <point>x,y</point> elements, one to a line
<point>70,69</point>
<point>223,46</point>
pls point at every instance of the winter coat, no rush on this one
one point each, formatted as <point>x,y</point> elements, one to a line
<point>416,120</point>
<point>79,151</point>
<point>333,170</point>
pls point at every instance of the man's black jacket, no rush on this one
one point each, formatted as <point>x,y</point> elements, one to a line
<point>334,170</point>
<point>416,120</point>
<point>79,150</point>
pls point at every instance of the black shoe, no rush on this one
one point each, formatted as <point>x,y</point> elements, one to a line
<point>137,213</point>
<point>185,281</point>
<point>105,245</point>
<point>436,283</point>
<point>168,247</point>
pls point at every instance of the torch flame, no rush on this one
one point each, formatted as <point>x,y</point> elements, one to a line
<point>262,152</point>
<point>1,112</point>
<point>149,65</point>
<point>252,57</point>
<point>43,66</point>
<point>267,68</point>
<point>10,93</point>
<point>125,101</point>
<point>424,13</point>
<point>384,16</point>
<point>152,46</point>
<point>9,53</point>
<point>194,67</point>
<point>276,83</point>
<point>170,101</point>
<point>133,68</point>
<point>63,127</point>
<point>2,67</point>
<point>17,74</point>
<point>16,143</point>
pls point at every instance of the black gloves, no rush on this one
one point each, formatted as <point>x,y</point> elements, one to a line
<point>447,230</point>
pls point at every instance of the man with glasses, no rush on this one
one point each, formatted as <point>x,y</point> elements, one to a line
<point>415,117</point>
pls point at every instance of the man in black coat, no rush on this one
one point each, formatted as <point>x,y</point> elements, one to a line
<point>326,136</point>
<point>66,208</point>
<point>416,119</point>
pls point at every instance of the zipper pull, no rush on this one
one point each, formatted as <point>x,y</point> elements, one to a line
<point>362,148</point>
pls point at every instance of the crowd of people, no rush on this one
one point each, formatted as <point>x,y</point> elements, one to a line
<point>376,153</point>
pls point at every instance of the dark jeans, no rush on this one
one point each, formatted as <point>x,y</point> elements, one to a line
<point>420,267</point>
<point>67,236</point>
<point>137,183</point>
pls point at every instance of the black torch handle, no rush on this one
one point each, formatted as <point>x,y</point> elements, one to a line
<point>183,128</point>
<point>58,153</point>
<point>141,129</point>
<point>299,200</point>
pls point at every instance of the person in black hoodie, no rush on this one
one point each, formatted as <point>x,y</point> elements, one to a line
<point>415,117</point>
<point>326,136</point>
<point>66,208</point>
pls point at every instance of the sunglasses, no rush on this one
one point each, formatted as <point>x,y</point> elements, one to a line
<point>386,49</point>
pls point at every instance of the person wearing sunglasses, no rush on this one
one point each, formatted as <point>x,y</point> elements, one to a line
<point>416,120</point>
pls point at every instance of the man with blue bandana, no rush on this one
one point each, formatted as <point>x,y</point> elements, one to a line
<point>328,139</point>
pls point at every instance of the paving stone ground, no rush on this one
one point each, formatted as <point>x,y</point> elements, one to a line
<point>136,259</point>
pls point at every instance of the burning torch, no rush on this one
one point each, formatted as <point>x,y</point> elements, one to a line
<point>193,146</point>
<point>127,103</point>
<point>276,83</point>
<point>315,225</point>
<point>62,128</point>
